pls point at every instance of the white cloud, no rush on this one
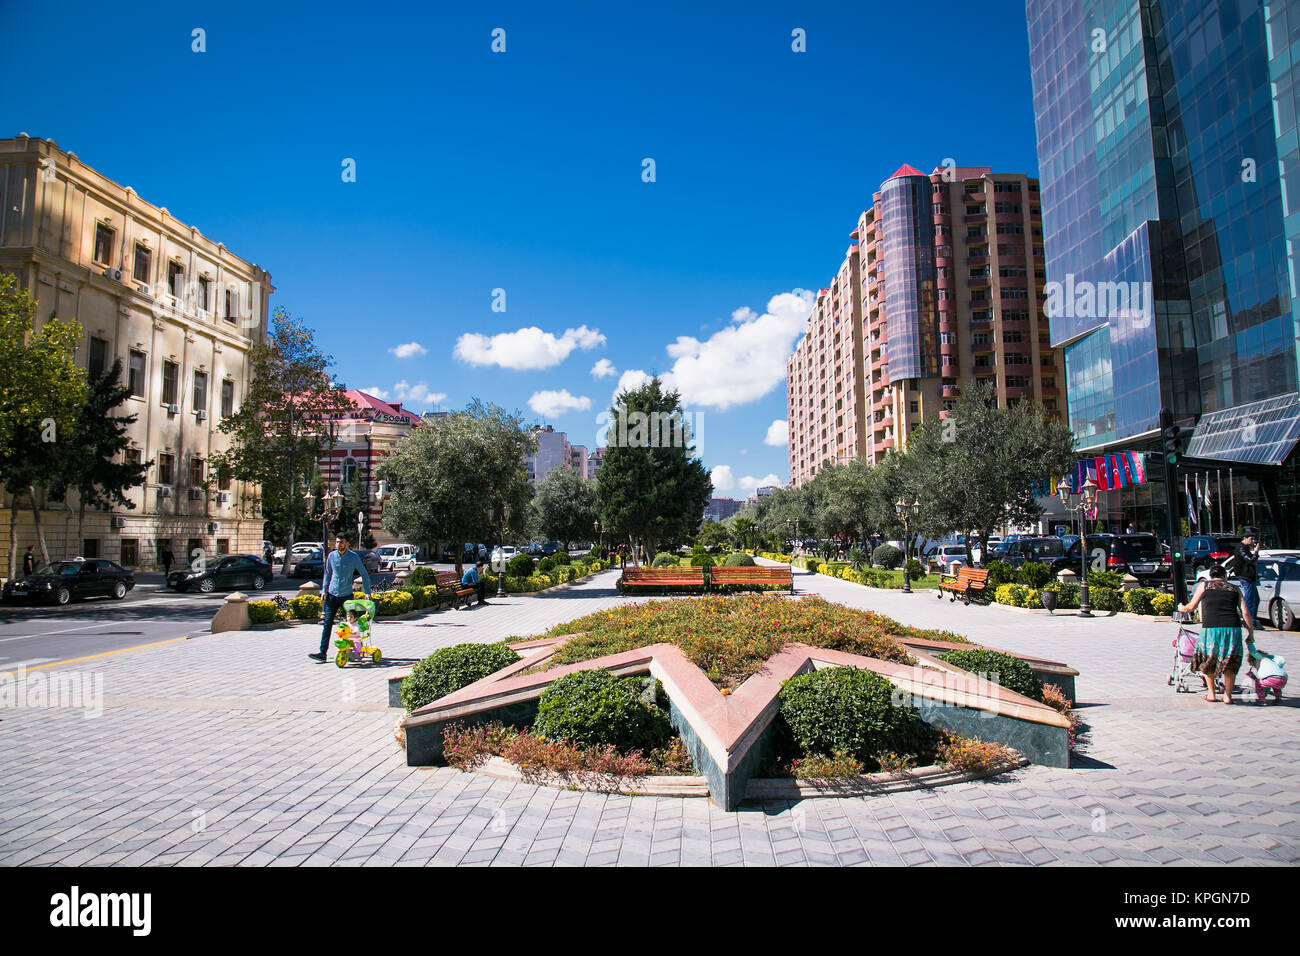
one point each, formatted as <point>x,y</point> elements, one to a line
<point>631,379</point>
<point>550,404</point>
<point>604,369</point>
<point>778,433</point>
<point>415,394</point>
<point>376,391</point>
<point>744,361</point>
<point>722,478</point>
<point>529,348</point>
<point>409,349</point>
<point>749,483</point>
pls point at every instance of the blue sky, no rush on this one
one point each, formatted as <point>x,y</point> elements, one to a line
<point>523,171</point>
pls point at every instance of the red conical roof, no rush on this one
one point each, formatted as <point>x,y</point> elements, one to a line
<point>906,170</point>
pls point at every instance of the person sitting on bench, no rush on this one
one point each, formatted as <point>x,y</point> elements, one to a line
<point>473,578</point>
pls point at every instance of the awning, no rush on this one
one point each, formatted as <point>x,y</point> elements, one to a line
<point>1261,433</point>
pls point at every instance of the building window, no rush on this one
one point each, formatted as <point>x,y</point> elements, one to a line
<point>223,546</point>
<point>130,552</point>
<point>915,407</point>
<point>227,398</point>
<point>176,279</point>
<point>200,391</point>
<point>196,471</point>
<point>103,244</point>
<point>230,305</point>
<point>98,358</point>
<point>171,380</point>
<point>135,373</point>
<point>131,456</point>
<point>166,469</point>
<point>90,548</point>
<point>143,260</point>
<point>223,483</point>
<point>205,293</point>
<point>193,549</point>
<point>349,470</point>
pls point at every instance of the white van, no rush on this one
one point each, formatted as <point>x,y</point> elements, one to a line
<point>396,557</point>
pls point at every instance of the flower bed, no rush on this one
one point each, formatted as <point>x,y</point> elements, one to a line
<point>729,638</point>
<point>1145,601</point>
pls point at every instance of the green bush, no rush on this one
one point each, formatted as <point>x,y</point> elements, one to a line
<point>844,710</point>
<point>546,565</point>
<point>665,559</point>
<point>833,568</point>
<point>520,566</point>
<point>1034,574</point>
<point>391,603</point>
<point>1104,579</point>
<point>812,564</point>
<point>1005,669</point>
<point>738,560</point>
<point>418,599</point>
<point>1067,595</point>
<point>263,612</point>
<point>451,668</point>
<point>1140,600</point>
<point>1104,599</point>
<point>915,569</point>
<point>1000,573</point>
<point>595,708</point>
<point>858,559</point>
<point>887,556</point>
<point>701,561</point>
<point>305,607</point>
<point>561,557</point>
<point>1033,598</point>
<point>1010,594</point>
<point>1164,604</point>
<point>422,577</point>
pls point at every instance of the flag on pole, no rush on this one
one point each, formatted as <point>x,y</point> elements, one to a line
<point>1191,508</point>
<point>1139,467</point>
<point>1103,475</point>
<point>1117,476</point>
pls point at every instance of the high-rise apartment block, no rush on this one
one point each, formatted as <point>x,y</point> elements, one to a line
<point>941,288</point>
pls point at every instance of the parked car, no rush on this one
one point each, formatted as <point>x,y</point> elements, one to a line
<point>1203,550</point>
<point>1141,555</point>
<point>313,566</point>
<point>1046,550</point>
<point>231,571</point>
<point>509,551</point>
<point>61,581</point>
<point>951,556</point>
<point>396,557</point>
<point>301,550</point>
<point>550,547</point>
<point>371,561</point>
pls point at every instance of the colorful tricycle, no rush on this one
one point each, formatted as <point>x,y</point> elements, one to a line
<point>353,633</point>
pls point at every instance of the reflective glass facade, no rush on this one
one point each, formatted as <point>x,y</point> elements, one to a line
<point>1168,155</point>
<point>907,250</point>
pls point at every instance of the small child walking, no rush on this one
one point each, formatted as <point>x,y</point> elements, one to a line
<point>1269,672</point>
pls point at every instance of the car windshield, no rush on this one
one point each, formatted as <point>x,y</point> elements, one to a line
<point>61,567</point>
<point>1136,546</point>
<point>387,549</point>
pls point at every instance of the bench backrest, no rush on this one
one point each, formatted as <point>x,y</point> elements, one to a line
<point>972,575</point>
<point>648,575</point>
<point>722,575</point>
<point>446,579</point>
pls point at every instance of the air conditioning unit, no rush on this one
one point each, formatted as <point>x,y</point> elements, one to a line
<point>213,527</point>
<point>194,494</point>
<point>119,522</point>
<point>223,497</point>
<point>173,409</point>
<point>201,414</point>
<point>113,274</point>
<point>164,492</point>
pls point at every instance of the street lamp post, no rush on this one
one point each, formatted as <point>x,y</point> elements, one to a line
<point>1083,502</point>
<point>501,576</point>
<point>906,512</point>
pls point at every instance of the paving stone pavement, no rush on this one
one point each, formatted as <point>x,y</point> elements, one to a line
<point>235,749</point>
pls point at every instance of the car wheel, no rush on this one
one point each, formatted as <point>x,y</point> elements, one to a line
<point>259,582</point>
<point>1283,616</point>
<point>206,585</point>
<point>63,596</point>
<point>119,590</point>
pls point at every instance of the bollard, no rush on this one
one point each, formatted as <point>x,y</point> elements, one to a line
<point>1128,583</point>
<point>232,615</point>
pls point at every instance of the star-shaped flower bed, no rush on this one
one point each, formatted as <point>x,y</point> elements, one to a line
<point>728,734</point>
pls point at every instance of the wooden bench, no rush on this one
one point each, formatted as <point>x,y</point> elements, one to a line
<point>966,583</point>
<point>751,576</point>
<point>451,590</point>
<point>662,578</point>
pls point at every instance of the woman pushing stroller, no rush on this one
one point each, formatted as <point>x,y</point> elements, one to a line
<point>1219,650</point>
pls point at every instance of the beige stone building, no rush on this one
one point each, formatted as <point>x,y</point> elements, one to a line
<point>178,309</point>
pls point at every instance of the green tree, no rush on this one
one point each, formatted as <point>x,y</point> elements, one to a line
<point>651,489</point>
<point>41,390</point>
<point>355,502</point>
<point>451,480</point>
<point>566,506</point>
<point>713,534</point>
<point>286,422</point>
<point>741,529</point>
<point>93,456</point>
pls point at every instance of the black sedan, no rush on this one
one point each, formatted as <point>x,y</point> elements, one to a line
<point>61,581</point>
<point>232,571</point>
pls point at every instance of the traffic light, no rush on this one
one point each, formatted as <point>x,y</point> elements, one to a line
<point>1169,442</point>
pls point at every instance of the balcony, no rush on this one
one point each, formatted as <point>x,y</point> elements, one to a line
<point>945,413</point>
<point>951,391</point>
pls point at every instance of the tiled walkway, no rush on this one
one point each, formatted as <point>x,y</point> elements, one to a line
<point>235,748</point>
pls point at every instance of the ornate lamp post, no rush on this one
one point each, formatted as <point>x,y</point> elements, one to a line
<point>905,513</point>
<point>1083,501</point>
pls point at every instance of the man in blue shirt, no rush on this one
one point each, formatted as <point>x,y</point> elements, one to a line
<point>472,579</point>
<point>341,566</point>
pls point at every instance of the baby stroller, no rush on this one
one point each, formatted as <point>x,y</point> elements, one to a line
<point>355,647</point>
<point>1184,645</point>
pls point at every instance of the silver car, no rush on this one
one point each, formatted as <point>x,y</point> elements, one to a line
<point>1278,582</point>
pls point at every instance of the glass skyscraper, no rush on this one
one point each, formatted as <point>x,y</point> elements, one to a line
<point>1170,173</point>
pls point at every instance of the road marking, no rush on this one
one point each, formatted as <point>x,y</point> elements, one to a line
<point>65,630</point>
<point>16,665</point>
<point>88,657</point>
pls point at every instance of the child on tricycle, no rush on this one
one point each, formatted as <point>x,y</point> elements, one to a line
<point>353,633</point>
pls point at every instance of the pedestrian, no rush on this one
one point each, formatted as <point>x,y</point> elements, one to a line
<point>622,556</point>
<point>1131,529</point>
<point>1244,562</point>
<point>473,578</point>
<point>166,562</point>
<point>1219,649</point>
<point>1270,671</point>
<point>268,555</point>
<point>29,562</point>
<point>341,566</point>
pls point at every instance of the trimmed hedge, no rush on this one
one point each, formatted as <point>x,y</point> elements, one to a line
<point>595,708</point>
<point>305,607</point>
<point>448,670</point>
<point>421,577</point>
<point>264,612</point>
<point>1164,604</point>
<point>1104,579</point>
<point>1005,669</point>
<point>1104,599</point>
<point>520,566</point>
<point>1034,574</point>
<point>1000,573</point>
<point>844,710</point>
<point>1140,600</point>
<point>887,556</point>
<point>665,559</point>
<point>738,560</point>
